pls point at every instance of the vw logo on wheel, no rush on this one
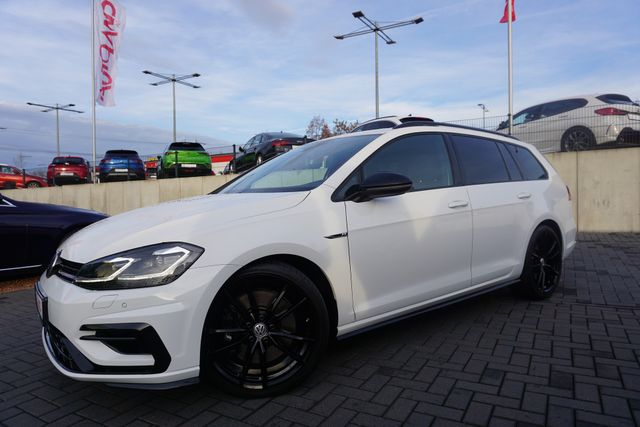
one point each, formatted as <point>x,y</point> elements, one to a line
<point>260,330</point>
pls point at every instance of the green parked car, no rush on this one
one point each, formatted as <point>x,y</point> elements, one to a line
<point>190,157</point>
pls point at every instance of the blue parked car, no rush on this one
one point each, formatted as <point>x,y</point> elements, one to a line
<point>121,165</point>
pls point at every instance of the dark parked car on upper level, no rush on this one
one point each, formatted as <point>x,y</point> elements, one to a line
<point>266,145</point>
<point>69,169</point>
<point>31,232</point>
<point>12,177</point>
<point>119,165</point>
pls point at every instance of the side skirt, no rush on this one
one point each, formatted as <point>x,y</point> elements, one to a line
<point>435,306</point>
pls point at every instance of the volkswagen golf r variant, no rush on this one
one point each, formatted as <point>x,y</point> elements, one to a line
<point>245,287</point>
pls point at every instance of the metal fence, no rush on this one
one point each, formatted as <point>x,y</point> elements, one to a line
<point>585,128</point>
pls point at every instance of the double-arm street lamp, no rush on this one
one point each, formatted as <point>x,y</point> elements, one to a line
<point>57,108</point>
<point>378,31</point>
<point>173,79</point>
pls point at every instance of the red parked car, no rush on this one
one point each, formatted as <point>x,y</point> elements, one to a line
<point>67,170</point>
<point>12,177</point>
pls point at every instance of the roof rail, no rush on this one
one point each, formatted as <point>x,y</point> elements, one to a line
<point>427,123</point>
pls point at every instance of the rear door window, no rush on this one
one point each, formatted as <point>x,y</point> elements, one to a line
<point>529,165</point>
<point>480,160</point>
<point>559,107</point>
<point>512,167</point>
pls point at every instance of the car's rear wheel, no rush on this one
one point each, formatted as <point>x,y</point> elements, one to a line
<point>578,138</point>
<point>542,265</point>
<point>265,331</point>
<point>33,184</point>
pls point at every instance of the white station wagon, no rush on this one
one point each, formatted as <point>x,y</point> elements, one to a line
<point>245,287</point>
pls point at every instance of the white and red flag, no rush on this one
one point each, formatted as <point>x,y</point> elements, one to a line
<point>110,19</point>
<point>505,16</point>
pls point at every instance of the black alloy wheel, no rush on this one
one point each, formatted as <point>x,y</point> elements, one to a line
<point>578,138</point>
<point>265,331</point>
<point>543,264</point>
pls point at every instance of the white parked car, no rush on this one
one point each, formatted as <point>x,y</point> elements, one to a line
<point>388,122</point>
<point>245,287</point>
<point>578,123</point>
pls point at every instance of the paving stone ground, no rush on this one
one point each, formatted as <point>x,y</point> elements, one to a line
<point>496,360</point>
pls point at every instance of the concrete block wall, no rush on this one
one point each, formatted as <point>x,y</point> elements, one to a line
<point>605,185</point>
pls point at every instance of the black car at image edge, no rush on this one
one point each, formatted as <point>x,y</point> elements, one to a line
<point>31,232</point>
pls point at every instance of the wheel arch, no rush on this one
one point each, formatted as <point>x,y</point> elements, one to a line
<point>307,267</point>
<point>555,226</point>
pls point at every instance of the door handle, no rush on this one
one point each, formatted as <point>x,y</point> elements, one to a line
<point>458,204</point>
<point>524,195</point>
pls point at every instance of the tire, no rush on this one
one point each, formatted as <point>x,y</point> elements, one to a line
<point>543,264</point>
<point>265,331</point>
<point>33,184</point>
<point>259,159</point>
<point>577,138</point>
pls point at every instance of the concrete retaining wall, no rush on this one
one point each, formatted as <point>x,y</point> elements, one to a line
<point>116,197</point>
<point>605,185</point>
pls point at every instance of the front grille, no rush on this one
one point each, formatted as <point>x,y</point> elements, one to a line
<point>67,270</point>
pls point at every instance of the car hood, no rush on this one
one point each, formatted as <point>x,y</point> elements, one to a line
<point>192,220</point>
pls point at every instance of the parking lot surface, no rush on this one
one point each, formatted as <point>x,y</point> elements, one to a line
<point>494,360</point>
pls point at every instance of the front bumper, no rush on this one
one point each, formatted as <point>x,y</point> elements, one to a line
<point>136,336</point>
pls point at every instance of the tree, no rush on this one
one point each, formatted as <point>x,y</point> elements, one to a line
<point>315,128</point>
<point>326,132</point>
<point>343,126</point>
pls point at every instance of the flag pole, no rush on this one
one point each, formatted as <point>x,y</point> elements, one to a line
<point>93,88</point>
<point>510,53</point>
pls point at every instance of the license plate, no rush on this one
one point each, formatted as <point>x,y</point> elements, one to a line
<point>41,304</point>
<point>121,170</point>
<point>188,165</point>
<point>66,173</point>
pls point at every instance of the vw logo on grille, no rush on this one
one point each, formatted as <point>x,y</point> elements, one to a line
<point>260,330</point>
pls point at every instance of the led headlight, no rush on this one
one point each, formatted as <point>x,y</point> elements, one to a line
<point>138,268</point>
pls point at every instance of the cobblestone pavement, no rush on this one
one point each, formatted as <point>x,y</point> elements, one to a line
<point>496,360</point>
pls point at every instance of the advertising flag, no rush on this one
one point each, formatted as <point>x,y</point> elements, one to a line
<point>109,24</point>
<point>505,16</point>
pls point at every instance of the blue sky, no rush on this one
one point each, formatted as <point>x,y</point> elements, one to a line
<point>270,65</point>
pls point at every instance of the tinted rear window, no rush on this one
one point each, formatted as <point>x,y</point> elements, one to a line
<point>283,135</point>
<point>122,153</point>
<point>480,160</point>
<point>529,165</point>
<point>68,161</point>
<point>613,98</point>
<point>186,146</point>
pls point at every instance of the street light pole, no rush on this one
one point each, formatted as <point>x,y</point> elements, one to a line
<point>173,79</point>
<point>378,31</point>
<point>484,110</point>
<point>57,109</point>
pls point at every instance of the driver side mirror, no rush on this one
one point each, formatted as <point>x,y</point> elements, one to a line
<point>503,125</point>
<point>379,185</point>
<point>241,149</point>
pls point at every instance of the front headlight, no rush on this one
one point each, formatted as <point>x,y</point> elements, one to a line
<point>138,268</point>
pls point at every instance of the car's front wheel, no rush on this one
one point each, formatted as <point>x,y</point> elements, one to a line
<point>33,184</point>
<point>542,265</point>
<point>265,332</point>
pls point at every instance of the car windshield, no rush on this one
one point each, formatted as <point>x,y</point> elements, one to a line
<point>613,98</point>
<point>68,161</point>
<point>302,169</point>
